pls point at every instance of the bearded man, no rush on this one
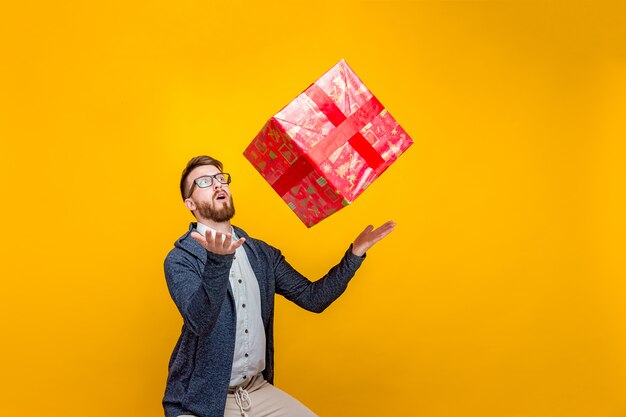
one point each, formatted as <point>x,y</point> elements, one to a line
<point>223,283</point>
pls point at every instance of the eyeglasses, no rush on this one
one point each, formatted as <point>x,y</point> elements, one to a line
<point>206,181</point>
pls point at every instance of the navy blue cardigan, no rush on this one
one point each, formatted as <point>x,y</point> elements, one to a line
<point>198,281</point>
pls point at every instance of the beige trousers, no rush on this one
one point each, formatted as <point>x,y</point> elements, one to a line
<point>259,398</point>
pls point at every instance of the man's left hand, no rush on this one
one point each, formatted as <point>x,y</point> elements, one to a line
<point>370,236</point>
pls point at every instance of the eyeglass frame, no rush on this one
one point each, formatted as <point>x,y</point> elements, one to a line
<point>213,178</point>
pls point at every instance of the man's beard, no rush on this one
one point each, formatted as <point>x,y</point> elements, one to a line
<point>209,211</point>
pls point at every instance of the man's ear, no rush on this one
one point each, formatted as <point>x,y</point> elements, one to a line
<point>191,206</point>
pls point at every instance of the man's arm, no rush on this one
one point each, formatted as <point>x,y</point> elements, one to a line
<point>316,296</point>
<point>199,297</point>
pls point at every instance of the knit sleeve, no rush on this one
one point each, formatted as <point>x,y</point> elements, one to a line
<point>198,295</point>
<point>317,295</point>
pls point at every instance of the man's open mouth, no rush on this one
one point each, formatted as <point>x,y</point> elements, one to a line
<point>221,197</point>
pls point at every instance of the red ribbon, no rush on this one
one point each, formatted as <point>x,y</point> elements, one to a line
<point>347,130</point>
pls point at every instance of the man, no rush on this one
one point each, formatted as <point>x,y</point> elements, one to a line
<point>223,283</point>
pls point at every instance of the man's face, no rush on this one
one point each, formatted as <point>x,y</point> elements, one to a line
<point>213,203</point>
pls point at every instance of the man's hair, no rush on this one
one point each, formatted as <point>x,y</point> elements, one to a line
<point>191,165</point>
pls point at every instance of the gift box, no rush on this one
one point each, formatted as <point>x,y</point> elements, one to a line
<point>322,150</point>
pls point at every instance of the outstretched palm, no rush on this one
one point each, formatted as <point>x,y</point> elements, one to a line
<point>221,243</point>
<point>370,236</point>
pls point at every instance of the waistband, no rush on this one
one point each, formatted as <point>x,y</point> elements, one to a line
<point>247,384</point>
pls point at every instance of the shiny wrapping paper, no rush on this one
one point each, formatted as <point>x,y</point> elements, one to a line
<point>322,150</point>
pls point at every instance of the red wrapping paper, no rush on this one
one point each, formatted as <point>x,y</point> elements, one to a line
<point>322,150</point>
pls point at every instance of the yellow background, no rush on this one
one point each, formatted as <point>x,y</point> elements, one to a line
<point>501,292</point>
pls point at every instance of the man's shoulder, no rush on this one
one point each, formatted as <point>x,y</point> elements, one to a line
<point>183,246</point>
<point>178,255</point>
<point>256,243</point>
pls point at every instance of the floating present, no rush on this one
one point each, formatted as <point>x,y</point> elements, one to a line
<point>322,150</point>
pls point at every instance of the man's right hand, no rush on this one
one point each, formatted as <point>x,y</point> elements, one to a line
<point>218,244</point>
